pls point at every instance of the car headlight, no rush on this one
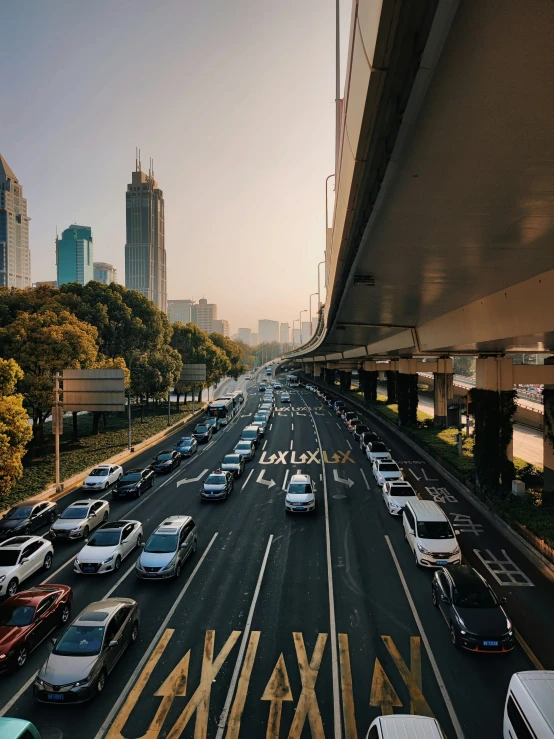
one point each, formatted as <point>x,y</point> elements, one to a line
<point>2,578</point>
<point>85,681</point>
<point>76,561</point>
<point>76,529</point>
<point>105,562</point>
<point>138,564</point>
<point>456,551</point>
<point>170,565</point>
<point>39,682</point>
<point>394,504</point>
<point>509,625</point>
<point>423,550</point>
<point>3,656</point>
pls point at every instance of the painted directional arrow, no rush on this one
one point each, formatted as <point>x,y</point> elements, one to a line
<point>348,481</point>
<point>192,479</point>
<point>277,690</point>
<point>383,694</point>
<point>269,483</point>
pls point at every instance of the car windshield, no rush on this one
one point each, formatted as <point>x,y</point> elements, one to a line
<point>164,456</point>
<point>361,429</point>
<point>434,530</point>
<point>75,512</point>
<point>201,429</point>
<point>17,513</point>
<point>231,459</point>
<point>249,434</point>
<point>186,440</point>
<point>474,595</point>
<point>161,544</point>
<point>8,557</point>
<point>215,480</point>
<point>378,447</point>
<point>16,615</point>
<point>99,472</point>
<point>105,539</point>
<point>211,421</point>
<point>299,488</point>
<point>131,477</point>
<point>388,467</point>
<point>80,641</point>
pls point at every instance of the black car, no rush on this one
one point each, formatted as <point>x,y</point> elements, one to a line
<point>360,429</point>
<point>26,517</point>
<point>339,407</point>
<point>202,433</point>
<point>166,461</point>
<point>217,486</point>
<point>214,423</point>
<point>367,438</point>
<point>474,614</point>
<point>133,484</point>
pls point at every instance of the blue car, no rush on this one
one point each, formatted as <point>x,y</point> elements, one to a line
<point>214,423</point>
<point>17,728</point>
<point>187,446</point>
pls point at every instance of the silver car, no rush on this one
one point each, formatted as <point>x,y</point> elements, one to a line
<point>82,659</point>
<point>167,549</point>
<point>233,463</point>
<point>246,449</point>
<point>79,518</point>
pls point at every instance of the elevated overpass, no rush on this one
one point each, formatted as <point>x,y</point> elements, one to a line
<point>442,234</point>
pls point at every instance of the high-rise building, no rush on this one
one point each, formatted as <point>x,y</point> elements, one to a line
<point>306,331</point>
<point>284,333</point>
<point>268,331</point>
<point>15,256</point>
<point>245,334</point>
<point>221,326</point>
<point>145,255</point>
<point>253,339</point>
<point>295,336</point>
<point>74,255</point>
<point>179,310</point>
<point>104,272</point>
<point>204,314</point>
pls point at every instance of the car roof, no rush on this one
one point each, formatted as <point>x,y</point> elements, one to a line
<point>115,525</point>
<point>136,471</point>
<point>427,510</point>
<point>539,685</point>
<point>464,575</point>
<point>33,596</point>
<point>83,502</point>
<point>107,607</point>
<point>379,462</point>
<point>102,466</point>
<point>399,726</point>
<point>172,524</point>
<point>16,542</point>
<point>400,484</point>
<point>301,478</point>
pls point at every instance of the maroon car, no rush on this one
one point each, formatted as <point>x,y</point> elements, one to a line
<point>28,617</point>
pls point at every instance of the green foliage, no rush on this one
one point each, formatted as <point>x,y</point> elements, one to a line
<point>15,432</point>
<point>195,347</point>
<point>233,352</point>
<point>464,366</point>
<point>494,413</point>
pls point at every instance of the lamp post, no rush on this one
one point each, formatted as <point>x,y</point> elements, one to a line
<point>318,285</point>
<point>311,327</point>
<point>300,325</point>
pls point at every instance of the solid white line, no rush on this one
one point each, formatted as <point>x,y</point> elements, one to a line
<point>365,479</point>
<point>286,478</point>
<point>270,426</point>
<point>292,429</point>
<point>332,620</point>
<point>291,443</point>
<point>18,695</point>
<point>337,424</point>
<point>245,637</point>
<point>438,676</point>
<point>246,481</point>
<point>118,583</point>
<point>265,444</point>
<point>349,444</point>
<point>124,693</point>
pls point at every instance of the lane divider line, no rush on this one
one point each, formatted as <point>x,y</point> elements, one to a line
<point>285,480</point>
<point>365,479</point>
<point>244,484</point>
<point>349,444</point>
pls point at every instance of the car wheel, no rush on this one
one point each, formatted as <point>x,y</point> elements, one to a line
<point>66,611</point>
<point>86,532</point>
<point>52,516</point>
<point>135,632</point>
<point>47,564</point>
<point>107,485</point>
<point>117,563</point>
<point>21,656</point>
<point>138,493</point>
<point>105,517</point>
<point>194,546</point>
<point>434,596</point>
<point>454,636</point>
<point>178,570</point>
<point>12,588</point>
<point>139,540</point>
<point>101,682</point>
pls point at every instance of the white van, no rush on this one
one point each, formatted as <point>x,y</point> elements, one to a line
<point>407,727</point>
<point>529,709</point>
<point>430,535</point>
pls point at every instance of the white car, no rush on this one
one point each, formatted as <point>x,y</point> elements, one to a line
<point>300,497</point>
<point>108,547</point>
<point>377,450</point>
<point>103,476</point>
<point>285,398</point>
<point>20,556</point>
<point>248,377</point>
<point>79,518</point>
<point>396,494</point>
<point>386,470</point>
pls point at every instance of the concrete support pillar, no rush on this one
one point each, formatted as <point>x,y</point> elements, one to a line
<point>548,438</point>
<point>345,379</point>
<point>392,376</point>
<point>444,390</point>
<point>368,381</point>
<point>406,392</point>
<point>318,366</point>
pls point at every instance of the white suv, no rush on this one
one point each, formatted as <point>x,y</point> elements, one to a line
<point>430,535</point>
<point>300,497</point>
<point>20,557</point>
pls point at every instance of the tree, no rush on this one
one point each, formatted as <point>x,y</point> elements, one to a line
<point>196,347</point>
<point>247,354</point>
<point>42,344</point>
<point>233,352</point>
<point>464,366</point>
<point>15,432</point>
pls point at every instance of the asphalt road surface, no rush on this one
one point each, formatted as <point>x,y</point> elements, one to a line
<point>293,626</point>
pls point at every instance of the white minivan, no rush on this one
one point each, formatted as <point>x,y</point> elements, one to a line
<point>430,535</point>
<point>407,727</point>
<point>529,709</point>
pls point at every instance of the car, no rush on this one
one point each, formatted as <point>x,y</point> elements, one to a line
<point>474,615</point>
<point>187,446</point>
<point>214,423</point>
<point>366,438</point>
<point>377,450</point>
<point>251,433</point>
<point>331,402</point>
<point>277,386</point>
<point>107,547</point>
<point>359,429</point>
<point>167,549</point>
<point>202,433</point>
<point>429,534</point>
<point>79,519</point>
<point>245,449</point>
<point>261,425</point>
<point>166,461</point>
<point>385,470</point>
<point>233,463</point>
<point>396,494</point>
<point>18,728</point>
<point>24,518</point>
<point>273,383</point>
<point>27,618</point>
<point>348,416</point>
<point>404,725</point>
<point>80,662</point>
<point>248,377</point>
<point>133,483</point>
<point>217,485</point>
<point>262,388</point>
<point>285,398</point>
<point>266,408</point>
<point>20,557</point>
<point>101,477</point>
<point>339,407</point>
<point>300,495</point>
<point>352,423</point>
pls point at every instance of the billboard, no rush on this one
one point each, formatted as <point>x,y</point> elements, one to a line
<point>93,390</point>
<point>192,373</point>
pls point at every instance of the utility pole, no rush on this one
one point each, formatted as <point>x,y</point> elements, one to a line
<point>169,407</point>
<point>58,429</point>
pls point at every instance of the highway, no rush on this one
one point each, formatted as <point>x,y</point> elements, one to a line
<point>294,626</point>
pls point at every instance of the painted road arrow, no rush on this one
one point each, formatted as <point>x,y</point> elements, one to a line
<point>348,481</point>
<point>192,479</point>
<point>383,694</point>
<point>277,690</point>
<point>260,479</point>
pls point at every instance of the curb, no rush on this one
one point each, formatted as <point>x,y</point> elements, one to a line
<point>521,544</point>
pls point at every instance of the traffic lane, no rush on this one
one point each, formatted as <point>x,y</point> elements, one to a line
<point>380,644</point>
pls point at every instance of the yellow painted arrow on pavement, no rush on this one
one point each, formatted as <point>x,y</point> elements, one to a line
<point>277,690</point>
<point>175,684</point>
<point>383,694</point>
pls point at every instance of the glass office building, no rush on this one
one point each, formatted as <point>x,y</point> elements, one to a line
<point>74,255</point>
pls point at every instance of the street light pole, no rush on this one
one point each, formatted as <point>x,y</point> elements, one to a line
<point>311,327</point>
<point>292,337</point>
<point>318,285</point>
<point>300,325</point>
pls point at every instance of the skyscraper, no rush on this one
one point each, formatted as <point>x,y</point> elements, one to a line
<point>245,334</point>
<point>179,310</point>
<point>253,339</point>
<point>284,333</point>
<point>268,331</point>
<point>145,256</point>
<point>74,255</point>
<point>306,331</point>
<point>15,257</point>
<point>204,314</point>
<point>104,272</point>
<point>221,326</point>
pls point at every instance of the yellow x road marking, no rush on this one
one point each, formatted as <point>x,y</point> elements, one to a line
<point>307,703</point>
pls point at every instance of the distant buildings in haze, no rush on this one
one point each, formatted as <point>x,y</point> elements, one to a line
<point>245,334</point>
<point>105,273</point>
<point>221,326</point>
<point>203,314</point>
<point>253,339</point>
<point>179,310</point>
<point>268,331</point>
<point>75,255</point>
<point>15,256</point>
<point>284,331</point>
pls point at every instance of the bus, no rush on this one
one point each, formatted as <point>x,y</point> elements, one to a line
<point>223,409</point>
<point>292,381</point>
<point>238,394</point>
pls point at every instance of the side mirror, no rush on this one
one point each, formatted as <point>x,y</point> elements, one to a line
<point>142,544</point>
<point>457,532</point>
<point>445,598</point>
<point>86,541</point>
<point>53,642</point>
<point>25,559</point>
<point>113,643</point>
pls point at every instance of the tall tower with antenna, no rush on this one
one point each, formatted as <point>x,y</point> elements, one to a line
<point>145,255</point>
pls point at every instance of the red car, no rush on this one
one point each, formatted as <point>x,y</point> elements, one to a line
<point>28,617</point>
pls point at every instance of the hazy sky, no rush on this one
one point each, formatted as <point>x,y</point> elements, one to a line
<point>234,100</point>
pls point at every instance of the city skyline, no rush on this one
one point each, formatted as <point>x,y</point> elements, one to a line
<point>15,255</point>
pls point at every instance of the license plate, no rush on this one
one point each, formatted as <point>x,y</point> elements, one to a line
<point>490,643</point>
<point>151,574</point>
<point>88,568</point>
<point>299,508</point>
<point>442,562</point>
<point>56,696</point>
